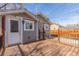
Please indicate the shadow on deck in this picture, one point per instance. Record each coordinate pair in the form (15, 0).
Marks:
(42, 48)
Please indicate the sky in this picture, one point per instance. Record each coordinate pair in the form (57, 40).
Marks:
(61, 13)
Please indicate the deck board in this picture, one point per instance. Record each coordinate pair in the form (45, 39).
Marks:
(70, 52)
(44, 48)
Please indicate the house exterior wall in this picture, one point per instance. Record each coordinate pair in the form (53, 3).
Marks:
(40, 30)
(29, 36)
(43, 23)
(43, 32)
(47, 30)
(6, 31)
(8, 35)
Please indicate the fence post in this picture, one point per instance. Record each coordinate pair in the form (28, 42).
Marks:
(59, 35)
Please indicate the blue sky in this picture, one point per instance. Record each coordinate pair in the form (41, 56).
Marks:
(57, 12)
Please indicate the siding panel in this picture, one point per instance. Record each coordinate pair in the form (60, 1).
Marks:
(29, 36)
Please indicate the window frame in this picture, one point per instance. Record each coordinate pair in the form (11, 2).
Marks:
(28, 26)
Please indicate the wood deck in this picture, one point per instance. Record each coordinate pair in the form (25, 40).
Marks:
(42, 48)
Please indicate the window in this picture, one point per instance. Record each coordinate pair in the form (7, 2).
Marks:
(28, 25)
(46, 26)
(14, 26)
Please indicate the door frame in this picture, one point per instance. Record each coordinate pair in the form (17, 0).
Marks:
(20, 20)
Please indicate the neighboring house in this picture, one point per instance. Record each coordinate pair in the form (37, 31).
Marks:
(54, 26)
(44, 26)
(17, 26)
(54, 29)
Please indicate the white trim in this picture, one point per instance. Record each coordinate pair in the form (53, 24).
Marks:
(37, 33)
(6, 31)
(21, 30)
(17, 11)
(29, 22)
(10, 11)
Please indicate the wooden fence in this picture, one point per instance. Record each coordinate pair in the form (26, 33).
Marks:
(66, 33)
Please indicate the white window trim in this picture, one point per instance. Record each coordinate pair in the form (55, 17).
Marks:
(29, 22)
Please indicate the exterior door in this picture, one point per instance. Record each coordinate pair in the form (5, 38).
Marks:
(14, 31)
